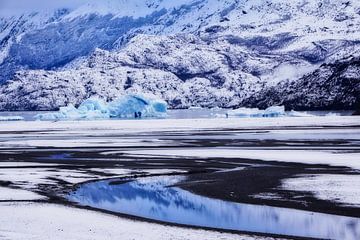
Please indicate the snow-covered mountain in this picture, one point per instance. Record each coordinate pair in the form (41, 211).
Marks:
(189, 52)
(332, 86)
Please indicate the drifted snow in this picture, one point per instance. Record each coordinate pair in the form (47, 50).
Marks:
(130, 106)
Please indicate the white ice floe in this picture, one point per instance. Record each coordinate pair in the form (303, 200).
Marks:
(274, 111)
(344, 189)
(11, 118)
(271, 112)
(129, 106)
(10, 194)
(50, 221)
(332, 114)
(293, 113)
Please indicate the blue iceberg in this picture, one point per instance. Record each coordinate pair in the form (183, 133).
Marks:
(128, 107)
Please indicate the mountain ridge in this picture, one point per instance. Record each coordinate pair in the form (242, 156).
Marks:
(219, 51)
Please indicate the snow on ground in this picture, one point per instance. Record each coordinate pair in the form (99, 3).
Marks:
(164, 171)
(85, 133)
(26, 164)
(344, 189)
(31, 177)
(298, 156)
(133, 126)
(48, 221)
(10, 194)
(113, 171)
(79, 142)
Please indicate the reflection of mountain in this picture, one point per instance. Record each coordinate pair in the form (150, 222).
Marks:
(189, 52)
(151, 198)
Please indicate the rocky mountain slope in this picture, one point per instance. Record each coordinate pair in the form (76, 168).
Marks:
(191, 53)
(332, 86)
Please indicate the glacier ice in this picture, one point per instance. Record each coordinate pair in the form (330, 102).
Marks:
(129, 106)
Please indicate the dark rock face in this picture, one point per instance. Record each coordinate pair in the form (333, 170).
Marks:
(357, 112)
(332, 86)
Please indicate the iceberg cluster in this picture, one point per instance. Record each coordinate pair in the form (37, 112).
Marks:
(293, 113)
(274, 111)
(130, 106)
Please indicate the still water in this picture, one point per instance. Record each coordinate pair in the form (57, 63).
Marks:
(156, 198)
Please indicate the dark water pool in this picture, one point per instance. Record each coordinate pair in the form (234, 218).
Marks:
(152, 198)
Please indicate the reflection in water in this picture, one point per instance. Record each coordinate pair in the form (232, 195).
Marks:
(151, 198)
